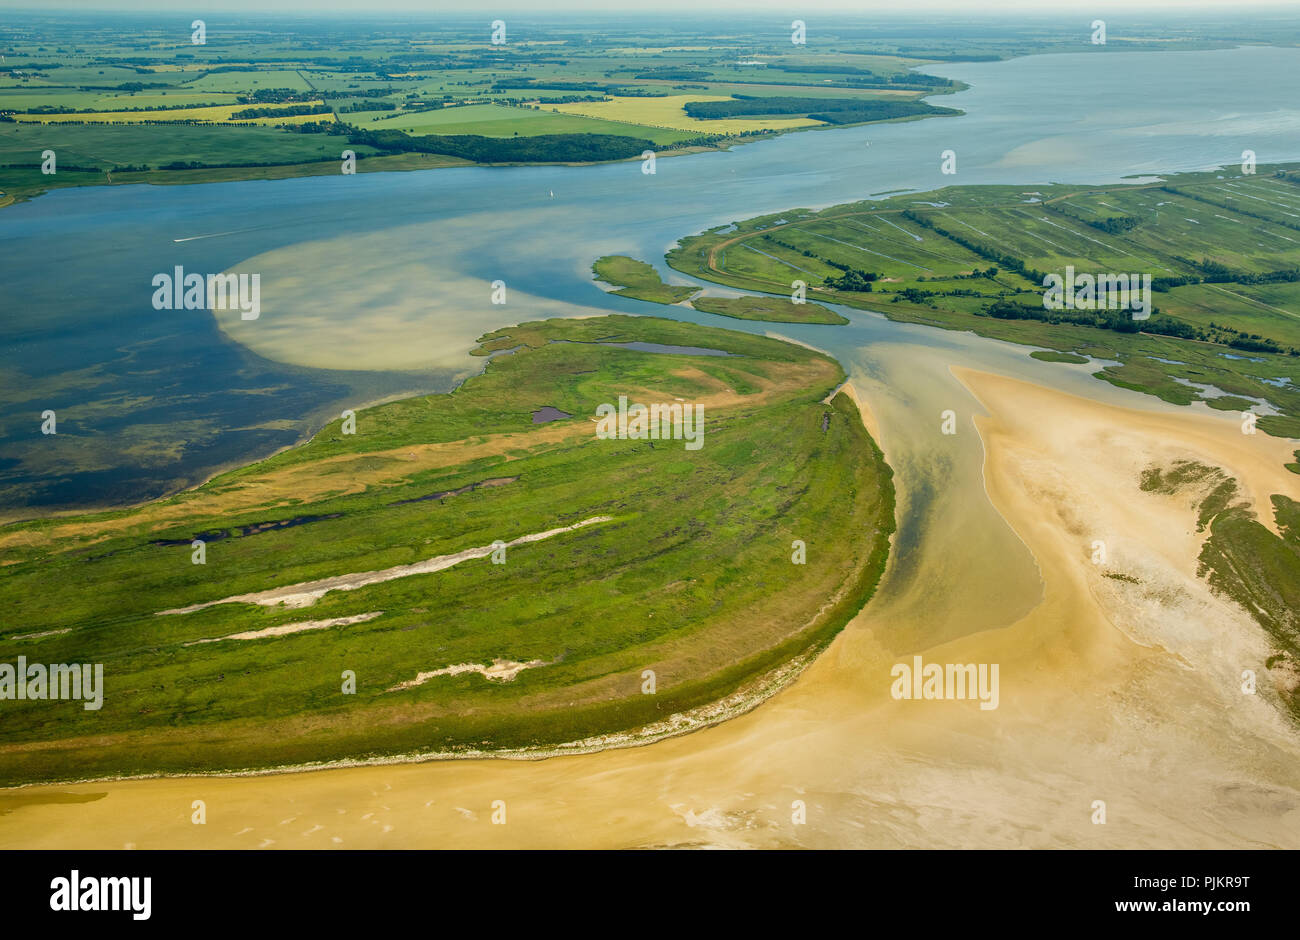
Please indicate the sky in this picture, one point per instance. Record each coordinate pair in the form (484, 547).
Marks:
(792, 8)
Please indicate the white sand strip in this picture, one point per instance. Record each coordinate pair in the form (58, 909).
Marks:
(308, 592)
(286, 628)
(37, 636)
(501, 670)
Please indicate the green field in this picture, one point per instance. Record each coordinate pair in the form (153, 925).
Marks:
(1053, 356)
(431, 81)
(232, 82)
(19, 98)
(1223, 251)
(97, 154)
(638, 279)
(686, 569)
(493, 120)
(776, 309)
(105, 146)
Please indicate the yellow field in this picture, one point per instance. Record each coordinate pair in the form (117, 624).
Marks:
(217, 114)
(655, 50)
(669, 112)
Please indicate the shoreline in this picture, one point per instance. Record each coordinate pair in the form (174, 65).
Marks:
(398, 162)
(56, 514)
(745, 698)
(742, 700)
(701, 256)
(1083, 706)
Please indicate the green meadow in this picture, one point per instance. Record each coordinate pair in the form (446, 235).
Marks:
(1222, 249)
(689, 573)
(495, 120)
(776, 309)
(106, 146)
(639, 280)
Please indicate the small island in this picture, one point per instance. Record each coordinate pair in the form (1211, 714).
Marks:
(638, 280)
(641, 281)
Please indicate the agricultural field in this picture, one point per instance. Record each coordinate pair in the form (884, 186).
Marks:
(669, 111)
(1222, 251)
(28, 98)
(495, 120)
(619, 556)
(104, 146)
(106, 153)
(441, 90)
(253, 79)
(219, 114)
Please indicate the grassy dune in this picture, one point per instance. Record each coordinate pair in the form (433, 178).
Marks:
(691, 577)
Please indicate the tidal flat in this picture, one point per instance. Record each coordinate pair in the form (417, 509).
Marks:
(1127, 691)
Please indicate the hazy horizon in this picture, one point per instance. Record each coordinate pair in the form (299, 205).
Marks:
(783, 8)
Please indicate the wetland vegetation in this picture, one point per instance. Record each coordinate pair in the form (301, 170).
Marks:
(679, 562)
(1223, 251)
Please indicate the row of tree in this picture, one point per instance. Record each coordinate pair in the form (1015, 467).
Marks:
(542, 148)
